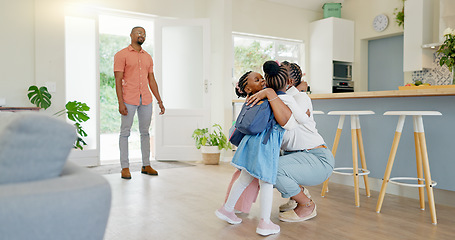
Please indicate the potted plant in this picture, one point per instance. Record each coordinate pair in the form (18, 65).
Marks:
(74, 110)
(447, 51)
(399, 15)
(211, 143)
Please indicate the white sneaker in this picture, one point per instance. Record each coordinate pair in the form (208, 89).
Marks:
(265, 229)
(229, 217)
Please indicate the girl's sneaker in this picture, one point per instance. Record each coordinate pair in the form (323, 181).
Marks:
(229, 217)
(265, 229)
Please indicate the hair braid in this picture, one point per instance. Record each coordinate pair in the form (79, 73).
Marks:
(241, 84)
(295, 73)
(276, 76)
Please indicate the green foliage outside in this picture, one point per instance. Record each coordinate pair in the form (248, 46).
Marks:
(250, 58)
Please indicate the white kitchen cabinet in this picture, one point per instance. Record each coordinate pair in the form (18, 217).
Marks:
(418, 22)
(331, 39)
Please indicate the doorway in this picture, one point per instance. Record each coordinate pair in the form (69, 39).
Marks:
(181, 52)
(114, 34)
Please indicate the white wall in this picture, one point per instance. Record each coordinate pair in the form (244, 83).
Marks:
(17, 62)
(362, 12)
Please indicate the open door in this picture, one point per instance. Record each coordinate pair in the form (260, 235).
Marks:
(182, 49)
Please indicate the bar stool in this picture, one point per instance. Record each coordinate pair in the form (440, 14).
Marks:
(316, 112)
(356, 138)
(421, 161)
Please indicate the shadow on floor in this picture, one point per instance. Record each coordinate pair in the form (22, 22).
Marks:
(136, 166)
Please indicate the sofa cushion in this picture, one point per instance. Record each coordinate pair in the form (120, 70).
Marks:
(33, 146)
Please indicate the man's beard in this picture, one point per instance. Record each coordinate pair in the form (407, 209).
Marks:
(139, 42)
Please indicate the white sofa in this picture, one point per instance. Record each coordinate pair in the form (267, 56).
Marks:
(42, 196)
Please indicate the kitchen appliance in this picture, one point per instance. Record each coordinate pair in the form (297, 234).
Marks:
(342, 77)
(342, 85)
(342, 70)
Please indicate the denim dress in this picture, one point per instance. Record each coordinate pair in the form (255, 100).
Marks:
(260, 159)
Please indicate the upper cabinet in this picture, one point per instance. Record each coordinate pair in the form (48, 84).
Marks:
(331, 39)
(418, 23)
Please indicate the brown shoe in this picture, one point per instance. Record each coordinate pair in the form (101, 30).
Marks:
(149, 170)
(126, 173)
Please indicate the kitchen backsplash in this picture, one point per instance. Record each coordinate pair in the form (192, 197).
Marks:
(437, 75)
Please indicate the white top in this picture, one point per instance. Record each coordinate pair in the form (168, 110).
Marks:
(367, 112)
(413, 113)
(301, 132)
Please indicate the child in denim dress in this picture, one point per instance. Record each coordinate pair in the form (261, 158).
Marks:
(257, 156)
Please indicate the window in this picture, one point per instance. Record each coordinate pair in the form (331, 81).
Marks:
(251, 51)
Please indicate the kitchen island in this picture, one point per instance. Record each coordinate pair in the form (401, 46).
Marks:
(378, 132)
(418, 91)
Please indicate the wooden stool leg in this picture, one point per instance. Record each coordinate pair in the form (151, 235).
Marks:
(419, 165)
(362, 156)
(393, 151)
(426, 169)
(355, 163)
(325, 186)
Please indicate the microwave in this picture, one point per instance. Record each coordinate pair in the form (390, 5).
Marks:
(342, 70)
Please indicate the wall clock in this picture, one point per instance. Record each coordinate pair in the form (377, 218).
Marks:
(380, 22)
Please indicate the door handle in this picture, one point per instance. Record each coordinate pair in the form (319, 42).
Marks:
(206, 86)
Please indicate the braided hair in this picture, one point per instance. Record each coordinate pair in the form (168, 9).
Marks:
(276, 76)
(241, 84)
(295, 73)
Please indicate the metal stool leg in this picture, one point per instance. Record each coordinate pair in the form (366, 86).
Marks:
(355, 164)
(418, 153)
(426, 168)
(393, 151)
(362, 156)
(325, 186)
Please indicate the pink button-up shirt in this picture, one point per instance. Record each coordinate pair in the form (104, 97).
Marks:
(135, 67)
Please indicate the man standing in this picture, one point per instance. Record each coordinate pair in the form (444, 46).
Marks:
(134, 78)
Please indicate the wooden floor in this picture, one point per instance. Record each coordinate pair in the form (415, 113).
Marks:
(180, 204)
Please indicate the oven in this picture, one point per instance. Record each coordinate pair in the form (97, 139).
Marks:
(342, 85)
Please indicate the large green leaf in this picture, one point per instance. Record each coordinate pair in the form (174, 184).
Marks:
(76, 111)
(39, 96)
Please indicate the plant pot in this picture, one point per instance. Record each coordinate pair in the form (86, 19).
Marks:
(210, 155)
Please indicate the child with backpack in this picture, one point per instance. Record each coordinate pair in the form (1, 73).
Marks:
(257, 154)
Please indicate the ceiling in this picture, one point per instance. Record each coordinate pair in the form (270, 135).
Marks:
(314, 5)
